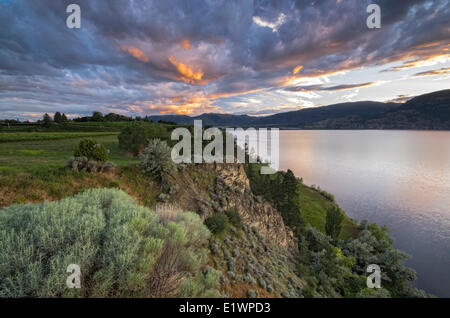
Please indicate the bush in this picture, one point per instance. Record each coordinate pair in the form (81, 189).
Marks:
(139, 256)
(308, 292)
(217, 223)
(83, 164)
(156, 160)
(92, 150)
(234, 218)
(134, 137)
(202, 285)
(373, 293)
(333, 226)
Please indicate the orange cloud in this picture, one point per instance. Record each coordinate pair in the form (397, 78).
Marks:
(442, 71)
(419, 62)
(187, 74)
(230, 94)
(297, 69)
(290, 80)
(186, 105)
(185, 44)
(136, 53)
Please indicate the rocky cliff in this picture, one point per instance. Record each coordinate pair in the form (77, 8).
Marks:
(257, 260)
(216, 188)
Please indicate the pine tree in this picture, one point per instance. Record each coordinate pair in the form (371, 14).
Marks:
(57, 118)
(64, 118)
(290, 207)
(47, 120)
(333, 225)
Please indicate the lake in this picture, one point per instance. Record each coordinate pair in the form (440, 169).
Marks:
(397, 178)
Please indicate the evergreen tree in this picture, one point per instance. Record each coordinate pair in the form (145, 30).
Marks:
(277, 190)
(97, 116)
(290, 207)
(333, 225)
(57, 118)
(64, 118)
(47, 120)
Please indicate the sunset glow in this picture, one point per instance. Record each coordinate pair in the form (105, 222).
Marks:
(255, 58)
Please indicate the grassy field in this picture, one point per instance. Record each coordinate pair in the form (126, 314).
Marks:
(29, 156)
(314, 211)
(40, 136)
(69, 127)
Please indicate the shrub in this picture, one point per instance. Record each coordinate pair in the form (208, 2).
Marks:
(333, 225)
(234, 217)
(373, 293)
(156, 160)
(83, 164)
(139, 256)
(217, 223)
(308, 292)
(134, 137)
(92, 150)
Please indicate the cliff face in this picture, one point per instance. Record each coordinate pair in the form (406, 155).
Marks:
(215, 188)
(257, 260)
(234, 185)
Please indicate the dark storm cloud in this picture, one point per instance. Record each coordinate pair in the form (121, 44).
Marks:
(144, 55)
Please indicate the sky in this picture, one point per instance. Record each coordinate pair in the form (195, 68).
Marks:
(256, 57)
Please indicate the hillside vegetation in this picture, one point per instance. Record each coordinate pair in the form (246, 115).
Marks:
(123, 249)
(272, 236)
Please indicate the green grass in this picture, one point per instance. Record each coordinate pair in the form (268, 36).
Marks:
(314, 211)
(39, 136)
(28, 156)
(70, 127)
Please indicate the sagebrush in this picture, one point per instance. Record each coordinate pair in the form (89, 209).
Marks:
(122, 248)
(156, 160)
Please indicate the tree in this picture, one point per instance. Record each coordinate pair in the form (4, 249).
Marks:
(64, 118)
(333, 225)
(97, 116)
(289, 205)
(47, 120)
(57, 118)
(135, 137)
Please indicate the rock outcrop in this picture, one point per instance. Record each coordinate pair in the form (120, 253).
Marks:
(217, 188)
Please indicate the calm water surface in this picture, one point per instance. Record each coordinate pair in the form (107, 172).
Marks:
(397, 178)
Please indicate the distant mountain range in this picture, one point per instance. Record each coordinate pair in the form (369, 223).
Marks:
(429, 111)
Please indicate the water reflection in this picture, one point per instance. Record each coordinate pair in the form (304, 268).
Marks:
(398, 178)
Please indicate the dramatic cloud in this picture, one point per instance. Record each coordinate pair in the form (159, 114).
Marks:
(233, 56)
(445, 70)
